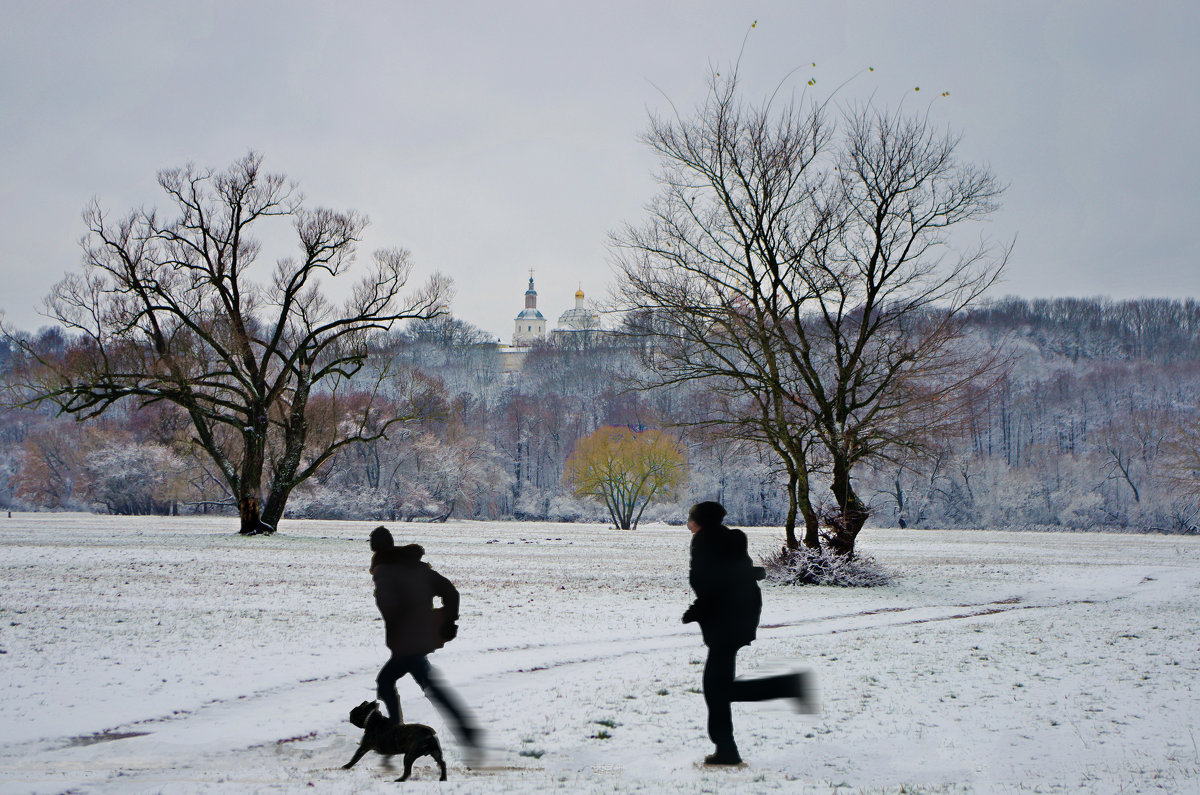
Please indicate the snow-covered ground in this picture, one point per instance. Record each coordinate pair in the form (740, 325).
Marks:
(151, 654)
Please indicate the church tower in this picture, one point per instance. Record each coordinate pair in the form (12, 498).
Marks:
(530, 325)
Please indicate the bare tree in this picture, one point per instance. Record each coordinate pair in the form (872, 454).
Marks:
(712, 274)
(878, 353)
(1181, 449)
(797, 262)
(167, 310)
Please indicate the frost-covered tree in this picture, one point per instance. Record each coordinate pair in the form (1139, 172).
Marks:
(130, 478)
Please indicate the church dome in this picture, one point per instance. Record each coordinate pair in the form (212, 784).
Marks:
(580, 318)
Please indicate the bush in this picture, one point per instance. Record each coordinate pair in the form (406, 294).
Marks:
(806, 566)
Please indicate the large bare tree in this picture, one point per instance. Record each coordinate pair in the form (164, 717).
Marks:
(879, 351)
(168, 309)
(712, 273)
(799, 259)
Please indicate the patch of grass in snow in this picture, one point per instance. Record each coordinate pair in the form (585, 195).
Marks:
(532, 753)
(603, 734)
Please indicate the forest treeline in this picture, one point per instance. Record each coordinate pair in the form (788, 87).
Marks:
(1075, 433)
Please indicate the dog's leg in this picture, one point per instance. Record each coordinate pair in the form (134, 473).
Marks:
(409, 758)
(359, 754)
(432, 748)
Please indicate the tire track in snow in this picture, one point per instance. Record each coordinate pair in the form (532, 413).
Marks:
(972, 611)
(817, 625)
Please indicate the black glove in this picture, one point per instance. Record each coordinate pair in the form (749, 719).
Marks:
(690, 615)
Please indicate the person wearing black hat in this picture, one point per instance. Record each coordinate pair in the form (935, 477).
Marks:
(404, 590)
(727, 607)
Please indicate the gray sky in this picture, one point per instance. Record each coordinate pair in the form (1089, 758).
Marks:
(493, 137)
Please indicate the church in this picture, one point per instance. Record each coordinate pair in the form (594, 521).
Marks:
(530, 325)
(576, 326)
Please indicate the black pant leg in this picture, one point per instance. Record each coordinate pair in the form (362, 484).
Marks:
(446, 700)
(764, 689)
(385, 685)
(718, 691)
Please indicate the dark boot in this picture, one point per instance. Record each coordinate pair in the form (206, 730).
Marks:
(725, 755)
(804, 693)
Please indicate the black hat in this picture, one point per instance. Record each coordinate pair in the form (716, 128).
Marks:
(707, 514)
(381, 539)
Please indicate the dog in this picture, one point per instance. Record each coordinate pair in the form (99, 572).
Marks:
(380, 735)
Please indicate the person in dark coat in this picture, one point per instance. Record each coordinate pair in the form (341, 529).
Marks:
(727, 607)
(405, 587)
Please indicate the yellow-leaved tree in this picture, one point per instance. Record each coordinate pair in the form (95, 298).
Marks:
(625, 470)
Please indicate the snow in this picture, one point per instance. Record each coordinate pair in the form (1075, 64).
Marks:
(172, 655)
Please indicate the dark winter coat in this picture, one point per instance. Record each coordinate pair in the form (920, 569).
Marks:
(404, 590)
(728, 602)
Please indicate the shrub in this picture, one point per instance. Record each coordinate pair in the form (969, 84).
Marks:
(806, 566)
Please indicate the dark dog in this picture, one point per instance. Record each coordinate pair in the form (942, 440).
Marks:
(414, 740)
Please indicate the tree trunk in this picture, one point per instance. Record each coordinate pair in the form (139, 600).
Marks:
(283, 471)
(624, 513)
(638, 518)
(623, 521)
(516, 490)
(272, 511)
(250, 482)
(445, 514)
(789, 524)
(800, 504)
(812, 524)
(252, 523)
(852, 512)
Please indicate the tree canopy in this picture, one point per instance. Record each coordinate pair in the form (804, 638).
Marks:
(625, 470)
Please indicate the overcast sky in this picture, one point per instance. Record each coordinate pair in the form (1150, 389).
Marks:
(489, 138)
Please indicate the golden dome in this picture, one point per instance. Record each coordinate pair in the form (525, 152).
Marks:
(579, 293)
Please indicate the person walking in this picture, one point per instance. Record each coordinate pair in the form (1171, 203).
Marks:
(727, 607)
(405, 587)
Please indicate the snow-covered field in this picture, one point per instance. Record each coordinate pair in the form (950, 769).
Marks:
(172, 655)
